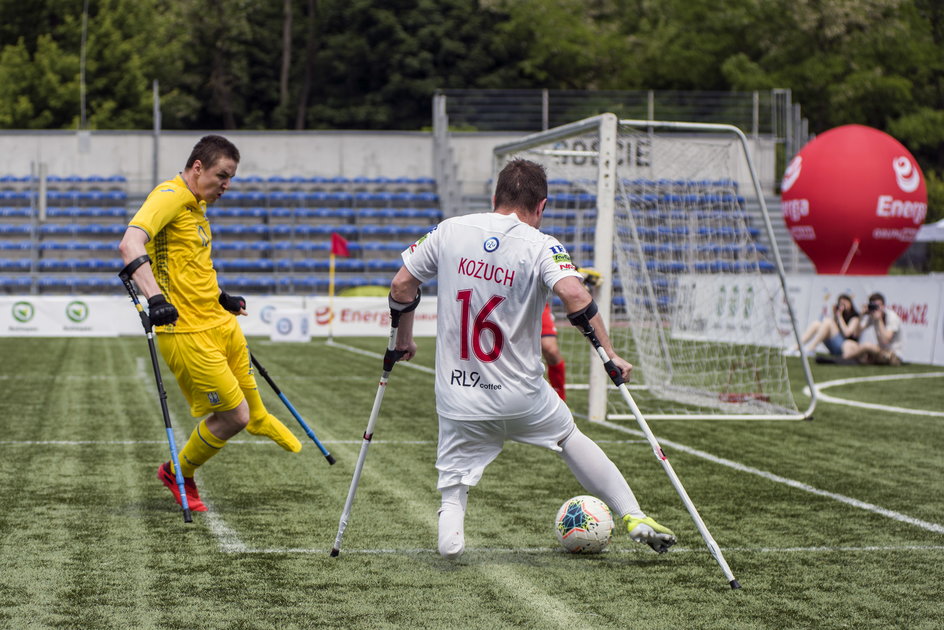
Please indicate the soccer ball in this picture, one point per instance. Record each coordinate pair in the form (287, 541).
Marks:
(584, 525)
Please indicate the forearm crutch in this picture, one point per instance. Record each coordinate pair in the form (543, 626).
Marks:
(391, 356)
(581, 319)
(125, 276)
(291, 408)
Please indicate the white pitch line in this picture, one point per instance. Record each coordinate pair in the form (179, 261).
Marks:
(869, 507)
(874, 406)
(225, 536)
(628, 550)
(368, 353)
(898, 516)
(250, 442)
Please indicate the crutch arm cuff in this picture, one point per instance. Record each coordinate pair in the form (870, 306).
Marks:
(126, 273)
(404, 307)
(581, 319)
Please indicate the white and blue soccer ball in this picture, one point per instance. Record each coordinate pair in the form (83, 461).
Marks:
(584, 524)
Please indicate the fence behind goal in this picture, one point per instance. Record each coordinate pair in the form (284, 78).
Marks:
(693, 287)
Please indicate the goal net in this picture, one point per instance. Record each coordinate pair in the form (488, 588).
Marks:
(671, 215)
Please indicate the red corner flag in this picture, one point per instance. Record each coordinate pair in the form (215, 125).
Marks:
(339, 245)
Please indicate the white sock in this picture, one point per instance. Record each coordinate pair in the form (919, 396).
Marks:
(598, 475)
(452, 521)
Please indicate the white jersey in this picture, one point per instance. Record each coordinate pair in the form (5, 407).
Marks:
(495, 274)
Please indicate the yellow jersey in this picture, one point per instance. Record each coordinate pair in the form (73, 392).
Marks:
(179, 247)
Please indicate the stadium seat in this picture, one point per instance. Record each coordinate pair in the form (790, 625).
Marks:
(16, 212)
(15, 284)
(15, 229)
(16, 245)
(15, 264)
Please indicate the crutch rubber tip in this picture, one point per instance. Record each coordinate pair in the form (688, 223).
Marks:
(735, 584)
(187, 517)
(335, 552)
(330, 458)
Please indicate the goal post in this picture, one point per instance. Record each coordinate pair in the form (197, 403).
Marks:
(694, 293)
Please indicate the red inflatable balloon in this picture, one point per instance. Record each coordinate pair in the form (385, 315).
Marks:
(853, 199)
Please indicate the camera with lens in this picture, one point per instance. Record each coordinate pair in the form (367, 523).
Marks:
(873, 306)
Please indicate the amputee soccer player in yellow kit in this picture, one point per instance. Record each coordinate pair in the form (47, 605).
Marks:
(166, 248)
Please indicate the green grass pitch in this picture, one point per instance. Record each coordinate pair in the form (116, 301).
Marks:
(836, 522)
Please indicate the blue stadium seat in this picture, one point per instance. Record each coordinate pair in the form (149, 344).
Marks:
(378, 266)
(325, 213)
(376, 198)
(99, 229)
(368, 231)
(15, 196)
(16, 212)
(15, 284)
(16, 245)
(15, 229)
(314, 246)
(424, 181)
(339, 197)
(666, 266)
(15, 264)
(380, 246)
(289, 197)
(247, 181)
(377, 214)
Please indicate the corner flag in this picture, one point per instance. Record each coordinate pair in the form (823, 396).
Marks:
(339, 245)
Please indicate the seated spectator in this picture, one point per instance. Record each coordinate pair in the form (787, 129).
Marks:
(838, 332)
(887, 325)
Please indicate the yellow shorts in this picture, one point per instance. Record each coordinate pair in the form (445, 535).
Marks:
(212, 366)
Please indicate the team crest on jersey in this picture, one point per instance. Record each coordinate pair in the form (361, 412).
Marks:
(491, 244)
(214, 398)
(203, 235)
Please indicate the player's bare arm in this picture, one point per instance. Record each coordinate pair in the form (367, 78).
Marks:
(575, 297)
(131, 247)
(403, 289)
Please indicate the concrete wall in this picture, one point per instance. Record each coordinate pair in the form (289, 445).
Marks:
(325, 153)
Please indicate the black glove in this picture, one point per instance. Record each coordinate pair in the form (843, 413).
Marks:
(232, 303)
(160, 311)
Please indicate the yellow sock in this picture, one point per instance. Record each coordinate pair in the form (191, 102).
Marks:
(261, 422)
(272, 428)
(201, 446)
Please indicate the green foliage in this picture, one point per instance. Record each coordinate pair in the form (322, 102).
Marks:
(371, 65)
(38, 90)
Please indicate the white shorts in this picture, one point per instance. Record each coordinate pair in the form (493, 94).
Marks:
(466, 447)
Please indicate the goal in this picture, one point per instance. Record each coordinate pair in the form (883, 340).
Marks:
(693, 290)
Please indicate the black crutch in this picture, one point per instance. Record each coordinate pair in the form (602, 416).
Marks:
(125, 275)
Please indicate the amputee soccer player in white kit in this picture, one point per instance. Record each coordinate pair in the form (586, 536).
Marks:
(495, 272)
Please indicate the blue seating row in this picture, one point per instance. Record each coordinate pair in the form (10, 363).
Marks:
(285, 212)
(281, 197)
(68, 179)
(117, 197)
(256, 265)
(336, 180)
(707, 184)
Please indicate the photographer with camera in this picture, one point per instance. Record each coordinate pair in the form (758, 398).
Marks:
(838, 332)
(887, 325)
